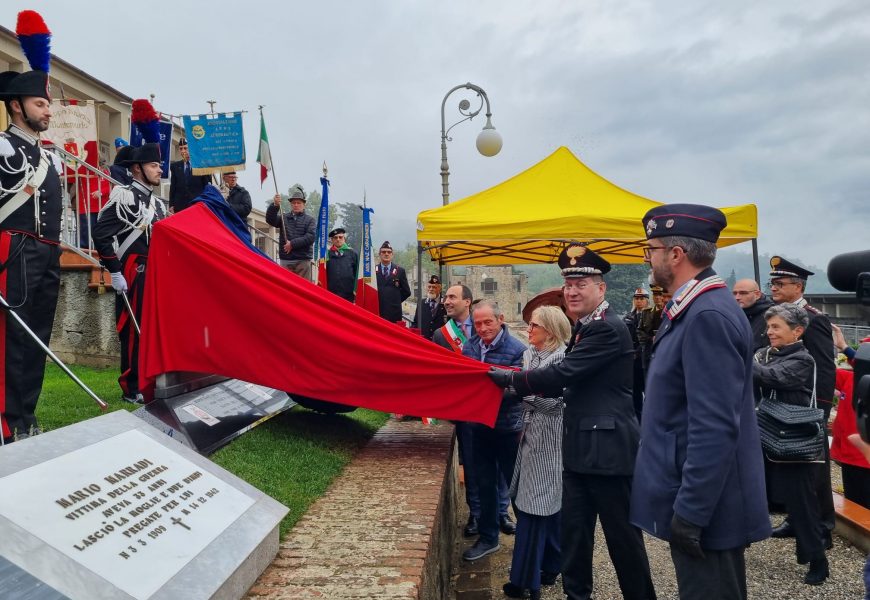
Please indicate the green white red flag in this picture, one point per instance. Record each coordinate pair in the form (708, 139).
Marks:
(264, 156)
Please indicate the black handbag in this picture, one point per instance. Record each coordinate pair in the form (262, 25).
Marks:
(791, 433)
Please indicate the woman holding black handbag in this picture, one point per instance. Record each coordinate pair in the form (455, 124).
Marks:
(786, 373)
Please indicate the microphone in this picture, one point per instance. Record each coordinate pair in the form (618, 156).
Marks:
(844, 269)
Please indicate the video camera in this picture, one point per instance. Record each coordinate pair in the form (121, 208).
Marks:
(851, 273)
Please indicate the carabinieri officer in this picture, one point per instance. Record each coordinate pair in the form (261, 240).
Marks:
(30, 223)
(122, 237)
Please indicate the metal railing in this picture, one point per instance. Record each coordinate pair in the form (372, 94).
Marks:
(854, 333)
(85, 189)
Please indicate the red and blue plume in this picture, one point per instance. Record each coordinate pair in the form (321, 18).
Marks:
(35, 39)
(146, 120)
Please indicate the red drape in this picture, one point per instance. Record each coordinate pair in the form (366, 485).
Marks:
(214, 306)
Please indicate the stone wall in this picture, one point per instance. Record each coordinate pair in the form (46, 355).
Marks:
(501, 284)
(84, 326)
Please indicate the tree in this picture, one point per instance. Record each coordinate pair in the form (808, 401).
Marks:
(351, 218)
(732, 279)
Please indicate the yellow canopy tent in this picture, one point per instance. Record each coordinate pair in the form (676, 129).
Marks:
(530, 217)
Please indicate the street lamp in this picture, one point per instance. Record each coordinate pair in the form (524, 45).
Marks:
(488, 141)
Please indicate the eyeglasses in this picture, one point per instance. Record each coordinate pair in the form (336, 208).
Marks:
(579, 286)
(533, 326)
(775, 285)
(648, 250)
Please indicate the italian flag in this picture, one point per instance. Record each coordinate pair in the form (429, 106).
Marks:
(264, 156)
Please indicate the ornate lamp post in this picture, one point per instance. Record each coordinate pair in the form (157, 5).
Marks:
(488, 141)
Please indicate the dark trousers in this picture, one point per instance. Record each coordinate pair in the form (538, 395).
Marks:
(823, 491)
(796, 485)
(495, 454)
(638, 385)
(536, 548)
(466, 457)
(585, 498)
(29, 281)
(134, 273)
(856, 484)
(720, 575)
(87, 224)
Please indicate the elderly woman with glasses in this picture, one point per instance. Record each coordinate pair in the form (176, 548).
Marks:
(536, 487)
(786, 371)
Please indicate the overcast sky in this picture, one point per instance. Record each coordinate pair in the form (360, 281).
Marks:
(709, 102)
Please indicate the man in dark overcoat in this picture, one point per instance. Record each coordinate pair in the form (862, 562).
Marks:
(393, 288)
(184, 186)
(600, 431)
(432, 315)
(788, 282)
(699, 478)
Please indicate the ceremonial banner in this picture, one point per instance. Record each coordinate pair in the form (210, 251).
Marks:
(323, 233)
(216, 142)
(379, 367)
(366, 292)
(73, 128)
(136, 140)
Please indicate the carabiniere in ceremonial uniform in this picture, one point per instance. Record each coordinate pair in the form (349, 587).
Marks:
(30, 223)
(122, 237)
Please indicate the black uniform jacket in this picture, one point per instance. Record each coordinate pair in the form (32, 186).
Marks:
(109, 226)
(50, 195)
(392, 291)
(432, 317)
(819, 341)
(183, 189)
(601, 432)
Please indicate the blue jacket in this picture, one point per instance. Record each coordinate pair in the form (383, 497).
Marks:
(508, 351)
(700, 454)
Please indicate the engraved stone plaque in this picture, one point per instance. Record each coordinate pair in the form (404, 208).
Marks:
(111, 507)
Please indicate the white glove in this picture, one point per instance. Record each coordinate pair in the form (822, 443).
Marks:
(118, 282)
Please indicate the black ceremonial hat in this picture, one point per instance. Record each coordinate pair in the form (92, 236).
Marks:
(686, 220)
(146, 153)
(123, 154)
(386, 246)
(780, 267)
(336, 231)
(435, 280)
(29, 83)
(577, 260)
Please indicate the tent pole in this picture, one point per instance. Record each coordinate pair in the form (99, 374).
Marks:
(420, 286)
(755, 261)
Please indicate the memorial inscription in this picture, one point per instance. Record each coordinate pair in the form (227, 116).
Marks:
(123, 504)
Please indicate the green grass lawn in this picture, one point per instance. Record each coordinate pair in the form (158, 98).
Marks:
(292, 457)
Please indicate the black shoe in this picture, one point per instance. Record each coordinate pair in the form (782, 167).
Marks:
(134, 399)
(548, 578)
(470, 529)
(513, 591)
(507, 526)
(534, 594)
(818, 572)
(785, 530)
(479, 550)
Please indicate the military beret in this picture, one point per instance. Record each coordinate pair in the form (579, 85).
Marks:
(780, 267)
(336, 231)
(577, 260)
(685, 220)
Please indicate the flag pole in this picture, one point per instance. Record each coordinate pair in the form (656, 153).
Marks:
(274, 180)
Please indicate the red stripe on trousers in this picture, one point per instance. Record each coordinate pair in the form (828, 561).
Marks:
(5, 243)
